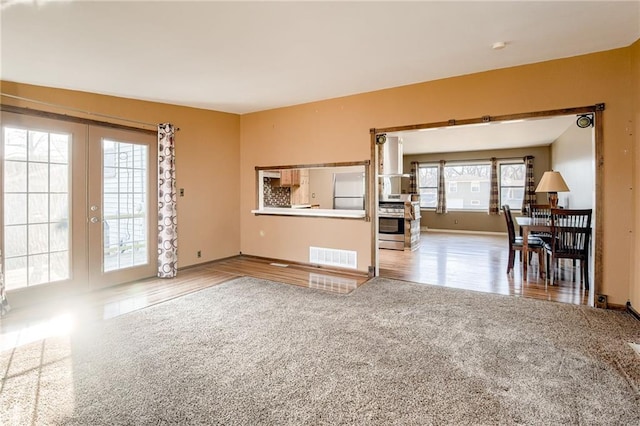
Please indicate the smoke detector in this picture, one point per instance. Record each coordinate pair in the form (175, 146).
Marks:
(498, 45)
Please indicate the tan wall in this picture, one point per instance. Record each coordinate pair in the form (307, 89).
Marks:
(207, 159)
(634, 293)
(573, 155)
(477, 221)
(296, 136)
(338, 130)
(321, 187)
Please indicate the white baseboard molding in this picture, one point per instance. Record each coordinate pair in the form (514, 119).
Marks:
(460, 231)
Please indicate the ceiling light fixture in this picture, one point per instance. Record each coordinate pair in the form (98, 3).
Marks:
(498, 45)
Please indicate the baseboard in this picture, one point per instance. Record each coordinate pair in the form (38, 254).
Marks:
(195, 265)
(461, 231)
(632, 311)
(616, 307)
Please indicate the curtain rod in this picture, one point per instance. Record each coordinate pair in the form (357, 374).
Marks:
(96, 114)
(471, 160)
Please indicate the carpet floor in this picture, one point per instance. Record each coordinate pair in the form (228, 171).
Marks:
(255, 352)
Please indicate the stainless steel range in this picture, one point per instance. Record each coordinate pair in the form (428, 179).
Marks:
(398, 222)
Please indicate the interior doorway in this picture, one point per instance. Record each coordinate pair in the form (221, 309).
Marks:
(496, 281)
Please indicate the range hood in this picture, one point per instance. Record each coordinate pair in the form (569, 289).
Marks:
(391, 156)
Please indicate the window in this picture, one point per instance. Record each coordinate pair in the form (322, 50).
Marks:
(428, 185)
(468, 184)
(511, 177)
(473, 184)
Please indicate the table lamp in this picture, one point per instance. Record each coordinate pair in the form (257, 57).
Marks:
(552, 183)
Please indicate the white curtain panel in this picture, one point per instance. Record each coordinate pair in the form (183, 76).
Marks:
(167, 197)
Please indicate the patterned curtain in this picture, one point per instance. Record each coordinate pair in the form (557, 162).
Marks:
(494, 199)
(167, 198)
(4, 303)
(441, 208)
(529, 184)
(413, 178)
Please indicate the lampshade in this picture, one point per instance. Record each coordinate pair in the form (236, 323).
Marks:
(552, 182)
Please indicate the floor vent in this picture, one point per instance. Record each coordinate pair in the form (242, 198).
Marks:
(333, 257)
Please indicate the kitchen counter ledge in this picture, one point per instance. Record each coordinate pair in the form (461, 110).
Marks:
(349, 214)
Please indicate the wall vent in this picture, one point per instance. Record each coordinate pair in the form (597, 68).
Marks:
(333, 257)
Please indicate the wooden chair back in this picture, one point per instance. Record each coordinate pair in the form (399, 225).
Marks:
(510, 227)
(570, 232)
(539, 211)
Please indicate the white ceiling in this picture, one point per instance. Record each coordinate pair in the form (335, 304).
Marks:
(478, 137)
(241, 57)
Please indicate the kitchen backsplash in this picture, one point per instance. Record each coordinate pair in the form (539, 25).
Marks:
(275, 195)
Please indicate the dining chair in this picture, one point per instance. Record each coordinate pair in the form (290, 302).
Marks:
(535, 244)
(540, 212)
(570, 239)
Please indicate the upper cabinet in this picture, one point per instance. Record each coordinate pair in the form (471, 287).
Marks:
(290, 177)
(300, 192)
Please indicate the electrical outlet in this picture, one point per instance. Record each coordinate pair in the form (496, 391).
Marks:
(199, 253)
(601, 301)
(182, 192)
(456, 221)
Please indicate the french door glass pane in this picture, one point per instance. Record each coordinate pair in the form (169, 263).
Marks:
(124, 190)
(17, 214)
(36, 207)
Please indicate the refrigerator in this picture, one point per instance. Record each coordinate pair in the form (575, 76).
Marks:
(348, 191)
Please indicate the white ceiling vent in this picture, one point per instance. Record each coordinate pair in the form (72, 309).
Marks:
(333, 257)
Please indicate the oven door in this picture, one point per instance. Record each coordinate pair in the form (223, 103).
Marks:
(391, 225)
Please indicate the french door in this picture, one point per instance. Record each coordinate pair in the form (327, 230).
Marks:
(122, 219)
(77, 207)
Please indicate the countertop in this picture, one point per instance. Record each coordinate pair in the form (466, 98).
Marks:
(305, 211)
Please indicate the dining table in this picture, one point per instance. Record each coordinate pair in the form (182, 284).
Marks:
(527, 225)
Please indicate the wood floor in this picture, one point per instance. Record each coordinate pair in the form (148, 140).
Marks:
(473, 262)
(22, 326)
(478, 262)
